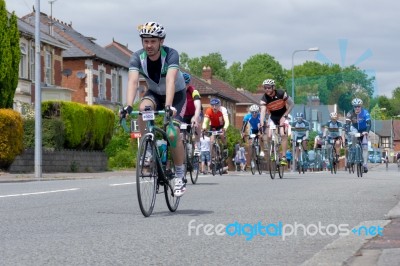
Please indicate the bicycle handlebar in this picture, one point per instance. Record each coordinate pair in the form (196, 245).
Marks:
(122, 121)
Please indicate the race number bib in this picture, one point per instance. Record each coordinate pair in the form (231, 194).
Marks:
(148, 115)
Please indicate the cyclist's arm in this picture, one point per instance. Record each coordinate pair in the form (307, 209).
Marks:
(289, 105)
(368, 125)
(197, 105)
(262, 113)
(133, 81)
(170, 85)
(206, 122)
(226, 117)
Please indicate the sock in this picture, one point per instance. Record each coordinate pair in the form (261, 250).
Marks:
(179, 171)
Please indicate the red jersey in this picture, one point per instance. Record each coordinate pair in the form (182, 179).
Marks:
(216, 119)
(191, 95)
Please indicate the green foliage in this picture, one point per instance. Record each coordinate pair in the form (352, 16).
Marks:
(11, 143)
(258, 68)
(9, 56)
(213, 60)
(232, 138)
(311, 137)
(53, 136)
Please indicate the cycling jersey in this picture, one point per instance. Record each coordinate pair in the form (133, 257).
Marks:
(276, 105)
(191, 95)
(169, 59)
(361, 121)
(334, 129)
(216, 119)
(300, 128)
(253, 121)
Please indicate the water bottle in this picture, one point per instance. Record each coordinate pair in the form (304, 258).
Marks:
(162, 150)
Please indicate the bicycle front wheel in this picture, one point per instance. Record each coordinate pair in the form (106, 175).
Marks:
(146, 176)
(194, 174)
(272, 161)
(253, 160)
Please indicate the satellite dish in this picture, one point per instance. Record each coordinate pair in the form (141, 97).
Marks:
(67, 72)
(81, 75)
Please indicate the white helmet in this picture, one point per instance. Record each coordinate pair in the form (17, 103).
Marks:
(356, 101)
(254, 108)
(269, 82)
(333, 115)
(151, 30)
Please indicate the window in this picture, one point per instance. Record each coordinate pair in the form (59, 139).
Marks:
(385, 142)
(47, 68)
(32, 63)
(23, 62)
(114, 86)
(119, 88)
(102, 85)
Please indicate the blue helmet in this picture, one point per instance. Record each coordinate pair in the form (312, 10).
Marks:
(215, 101)
(186, 77)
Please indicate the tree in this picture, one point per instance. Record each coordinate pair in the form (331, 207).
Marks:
(260, 67)
(213, 60)
(9, 56)
(234, 73)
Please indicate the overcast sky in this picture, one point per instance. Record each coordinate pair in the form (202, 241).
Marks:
(365, 33)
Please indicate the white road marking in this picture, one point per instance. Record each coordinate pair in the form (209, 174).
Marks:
(122, 184)
(38, 193)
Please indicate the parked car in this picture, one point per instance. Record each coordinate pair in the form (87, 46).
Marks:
(374, 158)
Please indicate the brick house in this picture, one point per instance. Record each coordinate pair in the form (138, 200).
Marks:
(95, 75)
(52, 65)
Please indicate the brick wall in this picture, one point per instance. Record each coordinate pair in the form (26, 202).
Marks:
(61, 161)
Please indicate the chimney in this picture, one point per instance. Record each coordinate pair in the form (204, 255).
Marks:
(206, 75)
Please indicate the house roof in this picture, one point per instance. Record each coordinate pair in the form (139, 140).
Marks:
(80, 46)
(29, 31)
(120, 51)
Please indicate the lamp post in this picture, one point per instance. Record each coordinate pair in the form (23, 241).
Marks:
(313, 49)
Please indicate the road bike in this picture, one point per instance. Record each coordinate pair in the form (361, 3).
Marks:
(154, 166)
(355, 158)
(302, 161)
(275, 154)
(255, 159)
(217, 159)
(333, 155)
(192, 158)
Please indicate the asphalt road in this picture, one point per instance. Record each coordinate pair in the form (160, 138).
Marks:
(98, 221)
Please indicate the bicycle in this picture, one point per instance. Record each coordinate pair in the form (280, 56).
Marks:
(217, 158)
(349, 158)
(255, 159)
(274, 154)
(302, 161)
(355, 157)
(192, 159)
(154, 167)
(332, 155)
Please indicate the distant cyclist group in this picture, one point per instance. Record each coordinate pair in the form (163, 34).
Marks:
(170, 91)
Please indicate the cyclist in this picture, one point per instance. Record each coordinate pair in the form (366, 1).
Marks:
(333, 130)
(216, 118)
(253, 119)
(318, 140)
(301, 130)
(278, 105)
(159, 65)
(361, 123)
(347, 137)
(193, 109)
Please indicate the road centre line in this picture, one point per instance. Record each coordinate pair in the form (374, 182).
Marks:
(122, 184)
(38, 193)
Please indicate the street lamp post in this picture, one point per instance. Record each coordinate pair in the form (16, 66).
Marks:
(313, 49)
(374, 146)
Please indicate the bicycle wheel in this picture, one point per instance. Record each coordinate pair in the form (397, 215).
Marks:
(334, 160)
(272, 161)
(214, 160)
(194, 174)
(253, 160)
(281, 170)
(146, 176)
(258, 162)
(171, 200)
(220, 165)
(359, 170)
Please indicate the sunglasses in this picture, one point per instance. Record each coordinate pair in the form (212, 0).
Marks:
(254, 113)
(358, 106)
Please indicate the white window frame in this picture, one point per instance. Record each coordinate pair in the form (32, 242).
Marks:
(32, 63)
(102, 84)
(23, 62)
(48, 59)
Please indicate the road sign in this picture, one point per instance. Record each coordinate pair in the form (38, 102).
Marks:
(135, 135)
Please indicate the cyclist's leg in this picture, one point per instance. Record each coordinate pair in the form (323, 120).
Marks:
(284, 141)
(149, 101)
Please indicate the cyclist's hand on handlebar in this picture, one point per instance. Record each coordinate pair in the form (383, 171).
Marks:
(124, 111)
(170, 110)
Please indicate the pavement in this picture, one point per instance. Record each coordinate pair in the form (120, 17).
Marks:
(379, 250)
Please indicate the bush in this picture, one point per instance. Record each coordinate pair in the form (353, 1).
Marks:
(53, 136)
(11, 143)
